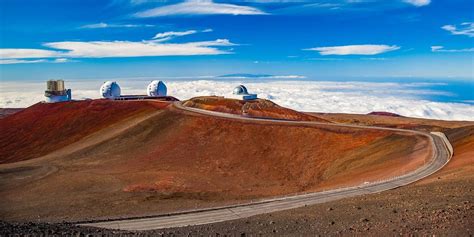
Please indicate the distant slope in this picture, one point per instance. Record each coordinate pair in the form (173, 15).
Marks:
(381, 113)
(43, 128)
(253, 108)
(394, 122)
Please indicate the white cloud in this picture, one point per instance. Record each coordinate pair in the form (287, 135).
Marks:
(23, 61)
(20, 61)
(316, 96)
(160, 37)
(466, 28)
(365, 49)
(174, 33)
(62, 60)
(105, 49)
(441, 49)
(200, 7)
(418, 3)
(28, 53)
(105, 25)
(218, 42)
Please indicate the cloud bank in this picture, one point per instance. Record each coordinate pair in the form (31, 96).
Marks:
(315, 96)
(199, 7)
(364, 49)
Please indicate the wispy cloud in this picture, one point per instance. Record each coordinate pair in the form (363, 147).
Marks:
(28, 53)
(466, 28)
(65, 50)
(106, 49)
(418, 3)
(160, 37)
(199, 7)
(105, 25)
(21, 61)
(63, 60)
(28, 61)
(364, 49)
(103, 49)
(440, 49)
(170, 34)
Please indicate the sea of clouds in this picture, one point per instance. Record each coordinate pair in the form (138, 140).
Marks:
(313, 96)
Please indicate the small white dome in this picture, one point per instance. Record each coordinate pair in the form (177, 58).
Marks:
(240, 90)
(110, 90)
(156, 88)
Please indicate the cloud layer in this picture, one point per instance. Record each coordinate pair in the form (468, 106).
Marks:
(364, 49)
(316, 96)
(199, 7)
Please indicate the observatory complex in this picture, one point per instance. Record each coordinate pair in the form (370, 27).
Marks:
(241, 93)
(155, 90)
(55, 92)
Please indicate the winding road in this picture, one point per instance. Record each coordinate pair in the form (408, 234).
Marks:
(441, 154)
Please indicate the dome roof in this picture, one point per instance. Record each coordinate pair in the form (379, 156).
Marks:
(240, 90)
(110, 90)
(156, 88)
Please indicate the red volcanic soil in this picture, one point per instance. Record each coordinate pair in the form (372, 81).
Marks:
(9, 111)
(380, 113)
(259, 108)
(43, 127)
(169, 160)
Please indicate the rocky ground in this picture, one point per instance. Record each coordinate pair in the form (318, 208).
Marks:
(441, 204)
(445, 208)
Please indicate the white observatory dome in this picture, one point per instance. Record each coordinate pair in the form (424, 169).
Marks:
(110, 90)
(240, 90)
(156, 88)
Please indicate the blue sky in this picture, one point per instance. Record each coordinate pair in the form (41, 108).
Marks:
(143, 38)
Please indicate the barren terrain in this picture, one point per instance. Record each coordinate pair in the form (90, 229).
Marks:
(259, 108)
(442, 204)
(159, 159)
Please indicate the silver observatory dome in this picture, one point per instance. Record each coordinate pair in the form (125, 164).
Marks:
(110, 90)
(240, 90)
(156, 88)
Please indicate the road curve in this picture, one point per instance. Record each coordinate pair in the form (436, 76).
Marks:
(441, 154)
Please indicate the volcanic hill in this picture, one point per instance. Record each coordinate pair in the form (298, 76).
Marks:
(99, 159)
(259, 108)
